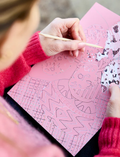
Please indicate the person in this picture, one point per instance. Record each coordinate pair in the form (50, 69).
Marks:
(109, 137)
(18, 21)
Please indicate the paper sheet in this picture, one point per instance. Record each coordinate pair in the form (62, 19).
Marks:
(68, 96)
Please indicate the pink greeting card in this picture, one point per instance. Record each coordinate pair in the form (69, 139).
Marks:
(68, 96)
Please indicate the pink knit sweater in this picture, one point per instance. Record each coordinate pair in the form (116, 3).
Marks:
(18, 140)
(21, 140)
(32, 54)
(22, 135)
(109, 138)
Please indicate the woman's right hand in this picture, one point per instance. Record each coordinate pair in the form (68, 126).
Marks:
(113, 107)
(65, 28)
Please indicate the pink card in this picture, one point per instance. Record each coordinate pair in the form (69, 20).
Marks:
(68, 96)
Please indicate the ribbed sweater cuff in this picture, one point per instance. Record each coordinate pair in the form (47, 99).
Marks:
(34, 52)
(109, 138)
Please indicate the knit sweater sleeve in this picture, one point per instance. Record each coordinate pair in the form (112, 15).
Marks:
(109, 138)
(32, 55)
(34, 52)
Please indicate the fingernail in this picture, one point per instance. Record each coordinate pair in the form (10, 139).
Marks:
(77, 53)
(81, 45)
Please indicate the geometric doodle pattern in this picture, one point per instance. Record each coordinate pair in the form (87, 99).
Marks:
(111, 72)
(68, 97)
(71, 129)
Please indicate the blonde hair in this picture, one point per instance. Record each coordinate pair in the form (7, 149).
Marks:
(12, 10)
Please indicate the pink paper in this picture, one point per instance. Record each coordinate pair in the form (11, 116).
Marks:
(68, 96)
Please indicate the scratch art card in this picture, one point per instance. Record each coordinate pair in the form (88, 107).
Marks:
(68, 96)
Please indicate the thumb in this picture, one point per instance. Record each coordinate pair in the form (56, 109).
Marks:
(72, 45)
(113, 107)
(115, 92)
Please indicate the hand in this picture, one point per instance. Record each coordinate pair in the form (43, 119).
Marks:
(113, 108)
(66, 28)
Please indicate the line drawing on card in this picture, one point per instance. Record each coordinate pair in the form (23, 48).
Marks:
(69, 96)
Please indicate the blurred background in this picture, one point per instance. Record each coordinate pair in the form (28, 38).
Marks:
(51, 9)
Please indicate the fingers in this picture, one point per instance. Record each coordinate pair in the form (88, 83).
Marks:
(115, 93)
(113, 106)
(75, 53)
(81, 33)
(76, 30)
(70, 22)
(71, 46)
(64, 28)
